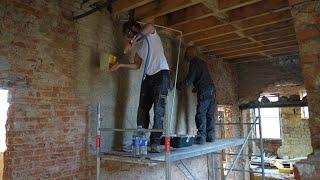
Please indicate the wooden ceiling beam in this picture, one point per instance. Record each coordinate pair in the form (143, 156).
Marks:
(232, 35)
(120, 6)
(200, 24)
(227, 5)
(245, 24)
(250, 46)
(263, 42)
(259, 49)
(275, 34)
(182, 16)
(264, 38)
(253, 31)
(258, 8)
(269, 17)
(218, 39)
(213, 32)
(256, 52)
(254, 9)
(283, 38)
(229, 43)
(158, 8)
(269, 27)
(198, 11)
(281, 51)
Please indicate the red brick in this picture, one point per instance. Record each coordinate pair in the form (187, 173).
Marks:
(310, 58)
(308, 34)
(310, 74)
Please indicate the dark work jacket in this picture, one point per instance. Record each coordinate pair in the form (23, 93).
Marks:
(200, 77)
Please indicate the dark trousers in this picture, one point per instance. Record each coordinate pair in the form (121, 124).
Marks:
(154, 91)
(205, 121)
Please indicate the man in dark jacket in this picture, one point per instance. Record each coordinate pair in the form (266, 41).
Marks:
(199, 76)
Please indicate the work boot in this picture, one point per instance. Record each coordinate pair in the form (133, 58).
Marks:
(210, 139)
(155, 148)
(200, 140)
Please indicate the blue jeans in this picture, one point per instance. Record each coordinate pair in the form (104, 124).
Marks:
(154, 91)
(205, 120)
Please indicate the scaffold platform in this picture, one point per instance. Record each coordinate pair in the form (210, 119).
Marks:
(176, 153)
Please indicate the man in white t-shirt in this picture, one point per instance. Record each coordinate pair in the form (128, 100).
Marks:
(155, 83)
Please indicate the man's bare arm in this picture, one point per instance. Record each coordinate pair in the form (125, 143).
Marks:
(135, 65)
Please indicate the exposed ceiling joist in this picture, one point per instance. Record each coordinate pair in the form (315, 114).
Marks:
(276, 52)
(269, 17)
(232, 36)
(250, 22)
(198, 36)
(255, 9)
(200, 24)
(198, 11)
(283, 38)
(227, 5)
(218, 39)
(233, 47)
(120, 6)
(276, 34)
(225, 18)
(250, 46)
(158, 8)
(182, 16)
(213, 32)
(258, 50)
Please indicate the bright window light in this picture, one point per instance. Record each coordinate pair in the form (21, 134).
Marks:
(270, 120)
(305, 109)
(3, 118)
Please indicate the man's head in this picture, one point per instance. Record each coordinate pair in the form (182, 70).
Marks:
(131, 28)
(191, 52)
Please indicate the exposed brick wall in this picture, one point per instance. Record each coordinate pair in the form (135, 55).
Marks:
(306, 14)
(46, 126)
(257, 77)
(226, 80)
(296, 134)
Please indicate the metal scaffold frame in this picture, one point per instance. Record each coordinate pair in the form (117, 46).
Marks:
(256, 121)
(169, 158)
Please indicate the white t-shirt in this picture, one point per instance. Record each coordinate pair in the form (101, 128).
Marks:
(157, 59)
